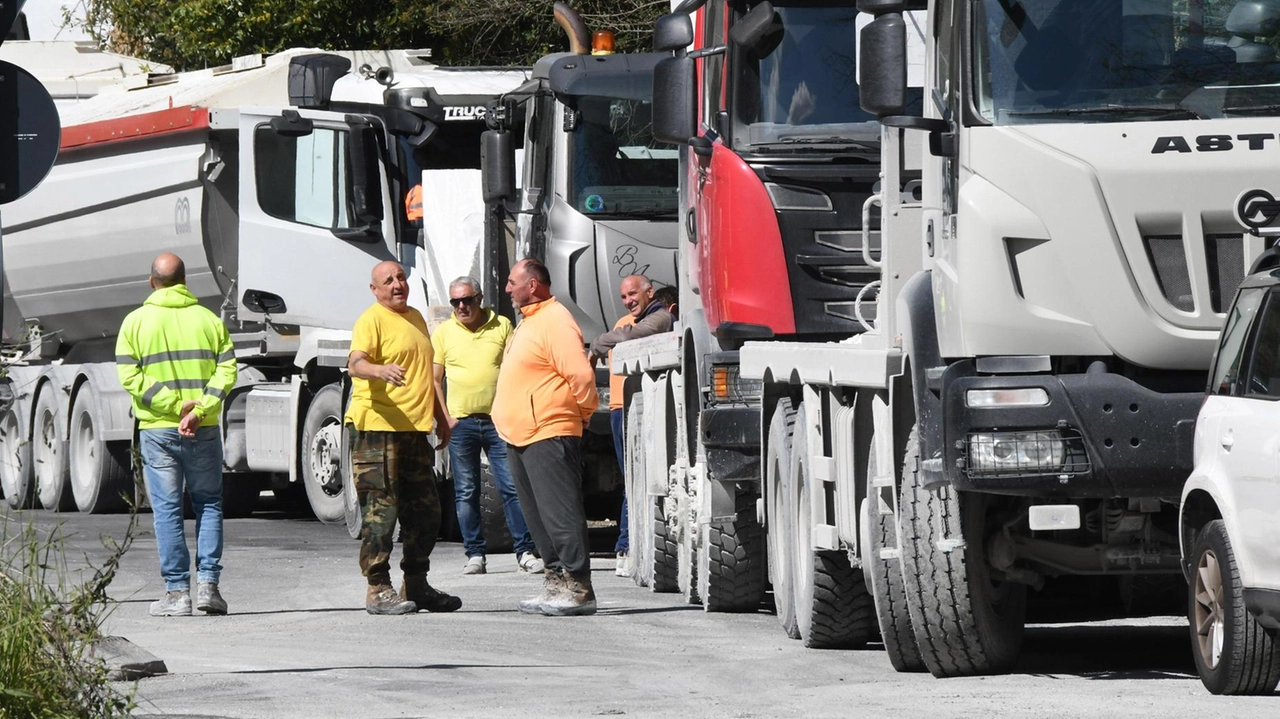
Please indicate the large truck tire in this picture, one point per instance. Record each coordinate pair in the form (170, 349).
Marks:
(833, 608)
(322, 452)
(778, 514)
(965, 622)
(884, 576)
(49, 453)
(497, 535)
(666, 551)
(731, 572)
(639, 503)
(99, 470)
(15, 462)
(1234, 654)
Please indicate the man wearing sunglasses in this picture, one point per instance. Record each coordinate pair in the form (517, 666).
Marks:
(468, 354)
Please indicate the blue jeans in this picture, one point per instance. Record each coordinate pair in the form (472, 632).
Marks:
(624, 533)
(471, 435)
(170, 462)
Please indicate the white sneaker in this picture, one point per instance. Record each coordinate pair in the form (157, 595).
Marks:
(622, 567)
(531, 564)
(474, 565)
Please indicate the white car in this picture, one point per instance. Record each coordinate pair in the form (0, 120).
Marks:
(1230, 514)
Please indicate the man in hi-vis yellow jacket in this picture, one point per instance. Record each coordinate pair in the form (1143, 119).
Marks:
(176, 360)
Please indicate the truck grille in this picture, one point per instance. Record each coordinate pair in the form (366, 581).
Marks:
(1224, 263)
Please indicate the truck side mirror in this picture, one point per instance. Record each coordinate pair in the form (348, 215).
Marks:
(675, 107)
(366, 184)
(290, 124)
(672, 33)
(497, 166)
(882, 55)
(759, 30)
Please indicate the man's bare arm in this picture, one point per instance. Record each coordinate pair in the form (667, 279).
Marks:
(359, 366)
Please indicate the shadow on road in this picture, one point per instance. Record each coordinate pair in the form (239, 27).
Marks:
(392, 667)
(1109, 652)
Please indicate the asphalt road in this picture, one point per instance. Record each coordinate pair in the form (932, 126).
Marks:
(298, 644)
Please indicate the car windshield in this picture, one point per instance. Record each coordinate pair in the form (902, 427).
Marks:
(798, 89)
(618, 168)
(1125, 60)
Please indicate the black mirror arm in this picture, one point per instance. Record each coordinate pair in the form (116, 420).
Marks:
(701, 145)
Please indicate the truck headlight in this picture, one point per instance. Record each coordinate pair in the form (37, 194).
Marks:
(1017, 453)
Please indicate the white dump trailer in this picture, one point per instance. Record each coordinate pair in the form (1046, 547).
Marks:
(281, 182)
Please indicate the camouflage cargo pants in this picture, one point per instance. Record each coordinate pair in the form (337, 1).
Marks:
(395, 479)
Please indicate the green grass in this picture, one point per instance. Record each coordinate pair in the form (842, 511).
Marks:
(48, 624)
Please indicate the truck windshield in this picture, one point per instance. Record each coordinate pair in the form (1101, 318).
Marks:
(618, 168)
(799, 91)
(1125, 60)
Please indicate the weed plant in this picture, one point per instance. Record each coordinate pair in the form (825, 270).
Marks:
(48, 624)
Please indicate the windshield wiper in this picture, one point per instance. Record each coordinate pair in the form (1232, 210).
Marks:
(1252, 109)
(634, 215)
(797, 144)
(1167, 111)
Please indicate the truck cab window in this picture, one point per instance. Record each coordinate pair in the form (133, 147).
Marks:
(304, 179)
(618, 167)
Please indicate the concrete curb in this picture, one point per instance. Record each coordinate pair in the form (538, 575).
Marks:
(126, 660)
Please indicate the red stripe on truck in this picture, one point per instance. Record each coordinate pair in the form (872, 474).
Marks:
(161, 122)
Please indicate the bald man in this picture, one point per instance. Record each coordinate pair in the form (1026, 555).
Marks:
(175, 359)
(645, 316)
(393, 409)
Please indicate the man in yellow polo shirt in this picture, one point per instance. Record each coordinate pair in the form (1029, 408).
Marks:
(469, 349)
(393, 409)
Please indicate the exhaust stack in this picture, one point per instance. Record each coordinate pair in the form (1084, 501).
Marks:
(574, 27)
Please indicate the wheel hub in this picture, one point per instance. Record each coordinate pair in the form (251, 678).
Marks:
(1210, 624)
(325, 457)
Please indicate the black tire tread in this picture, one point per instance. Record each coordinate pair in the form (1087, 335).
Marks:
(891, 601)
(843, 611)
(937, 582)
(736, 561)
(666, 553)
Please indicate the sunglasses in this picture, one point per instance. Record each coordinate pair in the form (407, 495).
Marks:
(460, 301)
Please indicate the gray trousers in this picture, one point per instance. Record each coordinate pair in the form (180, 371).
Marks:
(548, 478)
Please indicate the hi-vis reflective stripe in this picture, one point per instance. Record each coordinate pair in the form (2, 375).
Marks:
(154, 389)
(215, 392)
(413, 203)
(176, 356)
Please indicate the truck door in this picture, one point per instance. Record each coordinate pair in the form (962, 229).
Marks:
(314, 216)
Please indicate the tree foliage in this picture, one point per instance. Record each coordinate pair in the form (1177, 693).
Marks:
(192, 34)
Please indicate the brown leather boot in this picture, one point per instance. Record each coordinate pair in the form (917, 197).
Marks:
(417, 591)
(382, 599)
(552, 584)
(575, 598)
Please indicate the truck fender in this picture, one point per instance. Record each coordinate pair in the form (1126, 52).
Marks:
(114, 405)
(919, 329)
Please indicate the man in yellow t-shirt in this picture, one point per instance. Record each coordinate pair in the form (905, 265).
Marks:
(469, 349)
(393, 409)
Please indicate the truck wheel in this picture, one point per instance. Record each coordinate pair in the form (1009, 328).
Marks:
(778, 514)
(1234, 653)
(666, 551)
(832, 606)
(688, 544)
(965, 622)
(351, 515)
(497, 535)
(15, 463)
(99, 470)
(48, 453)
(731, 565)
(322, 455)
(884, 576)
(639, 503)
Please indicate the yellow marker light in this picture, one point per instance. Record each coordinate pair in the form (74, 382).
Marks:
(720, 382)
(603, 43)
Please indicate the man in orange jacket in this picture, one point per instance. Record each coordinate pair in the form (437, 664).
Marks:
(546, 395)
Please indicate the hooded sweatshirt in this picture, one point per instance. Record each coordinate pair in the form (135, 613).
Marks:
(171, 350)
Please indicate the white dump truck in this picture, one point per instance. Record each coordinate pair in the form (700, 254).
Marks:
(280, 181)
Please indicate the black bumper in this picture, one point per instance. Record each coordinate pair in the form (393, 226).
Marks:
(1131, 441)
(731, 436)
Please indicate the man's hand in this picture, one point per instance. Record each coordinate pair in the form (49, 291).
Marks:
(453, 422)
(189, 424)
(444, 431)
(391, 374)
(187, 407)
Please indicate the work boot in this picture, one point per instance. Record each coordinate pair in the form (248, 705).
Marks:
(417, 591)
(382, 599)
(174, 604)
(530, 563)
(576, 597)
(552, 583)
(209, 600)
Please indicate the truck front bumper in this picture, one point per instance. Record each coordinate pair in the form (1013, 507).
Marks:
(1098, 435)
